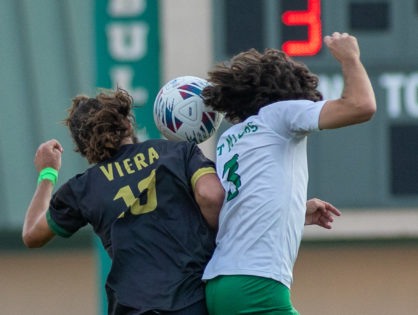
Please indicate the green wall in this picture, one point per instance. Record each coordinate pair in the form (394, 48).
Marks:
(46, 58)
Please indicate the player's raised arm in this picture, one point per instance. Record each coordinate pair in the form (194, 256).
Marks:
(357, 103)
(36, 231)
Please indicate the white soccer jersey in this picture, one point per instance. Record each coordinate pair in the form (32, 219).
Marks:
(262, 164)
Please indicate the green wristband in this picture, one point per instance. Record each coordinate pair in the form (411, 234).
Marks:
(48, 173)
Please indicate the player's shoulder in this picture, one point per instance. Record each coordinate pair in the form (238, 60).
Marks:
(284, 105)
(289, 110)
(68, 186)
(168, 144)
(77, 180)
(168, 149)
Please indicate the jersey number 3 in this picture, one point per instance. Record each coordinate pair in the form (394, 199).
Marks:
(231, 167)
(147, 200)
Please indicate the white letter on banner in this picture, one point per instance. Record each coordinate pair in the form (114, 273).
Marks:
(393, 84)
(127, 42)
(122, 77)
(129, 8)
(411, 91)
(331, 87)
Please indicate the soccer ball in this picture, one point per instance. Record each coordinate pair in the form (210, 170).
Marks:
(180, 113)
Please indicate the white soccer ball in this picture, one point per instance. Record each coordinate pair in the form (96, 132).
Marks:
(180, 113)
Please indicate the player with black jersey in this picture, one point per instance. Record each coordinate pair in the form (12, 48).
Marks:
(153, 204)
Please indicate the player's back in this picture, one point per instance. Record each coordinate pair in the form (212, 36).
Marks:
(161, 244)
(141, 204)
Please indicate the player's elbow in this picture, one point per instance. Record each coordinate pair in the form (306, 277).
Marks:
(31, 241)
(366, 111)
(210, 209)
(362, 109)
(212, 198)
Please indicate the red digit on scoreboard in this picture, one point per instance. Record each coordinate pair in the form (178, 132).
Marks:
(312, 18)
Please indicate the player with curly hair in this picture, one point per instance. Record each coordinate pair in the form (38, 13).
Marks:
(153, 204)
(273, 103)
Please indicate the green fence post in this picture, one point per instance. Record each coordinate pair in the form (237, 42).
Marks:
(128, 56)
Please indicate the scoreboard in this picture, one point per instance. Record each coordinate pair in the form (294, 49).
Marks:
(370, 165)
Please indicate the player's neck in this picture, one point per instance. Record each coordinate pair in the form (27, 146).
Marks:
(127, 140)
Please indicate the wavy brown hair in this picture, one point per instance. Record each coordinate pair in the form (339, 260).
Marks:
(99, 125)
(252, 80)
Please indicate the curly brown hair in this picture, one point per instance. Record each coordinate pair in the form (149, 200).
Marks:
(99, 125)
(253, 80)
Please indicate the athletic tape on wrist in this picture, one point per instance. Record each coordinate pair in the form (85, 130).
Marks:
(48, 173)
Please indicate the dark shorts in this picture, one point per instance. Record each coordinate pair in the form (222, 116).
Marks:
(198, 308)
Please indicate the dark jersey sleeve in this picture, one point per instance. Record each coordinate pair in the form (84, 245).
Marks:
(64, 216)
(198, 165)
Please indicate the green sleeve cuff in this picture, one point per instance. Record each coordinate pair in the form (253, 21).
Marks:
(55, 227)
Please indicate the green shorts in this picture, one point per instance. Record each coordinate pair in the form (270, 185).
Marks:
(239, 294)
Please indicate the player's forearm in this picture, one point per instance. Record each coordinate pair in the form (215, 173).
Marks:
(211, 215)
(35, 232)
(358, 91)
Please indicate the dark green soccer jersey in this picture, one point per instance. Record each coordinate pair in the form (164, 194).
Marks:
(141, 205)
